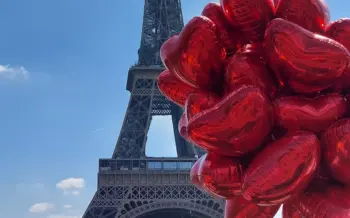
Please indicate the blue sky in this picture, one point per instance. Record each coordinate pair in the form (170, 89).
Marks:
(63, 70)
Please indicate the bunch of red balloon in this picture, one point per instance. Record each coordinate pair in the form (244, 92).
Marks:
(264, 88)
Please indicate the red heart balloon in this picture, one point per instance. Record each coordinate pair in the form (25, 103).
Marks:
(231, 40)
(343, 82)
(236, 125)
(197, 102)
(312, 15)
(250, 17)
(196, 55)
(174, 89)
(305, 61)
(282, 169)
(221, 176)
(247, 67)
(314, 115)
(332, 201)
(340, 31)
(194, 174)
(241, 208)
(182, 126)
(291, 208)
(336, 150)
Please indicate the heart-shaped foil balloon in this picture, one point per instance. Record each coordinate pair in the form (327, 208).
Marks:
(291, 208)
(194, 174)
(314, 115)
(196, 55)
(241, 208)
(221, 176)
(173, 88)
(332, 201)
(343, 82)
(282, 169)
(230, 40)
(336, 150)
(248, 67)
(198, 102)
(236, 125)
(305, 61)
(312, 15)
(250, 17)
(340, 31)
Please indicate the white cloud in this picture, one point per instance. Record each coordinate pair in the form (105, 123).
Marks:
(67, 206)
(62, 216)
(41, 207)
(8, 72)
(71, 185)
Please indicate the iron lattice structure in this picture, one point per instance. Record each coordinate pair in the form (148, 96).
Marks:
(161, 20)
(131, 185)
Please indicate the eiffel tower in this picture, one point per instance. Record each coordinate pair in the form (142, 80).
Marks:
(130, 184)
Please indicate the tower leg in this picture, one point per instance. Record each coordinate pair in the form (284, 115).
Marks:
(133, 135)
(184, 149)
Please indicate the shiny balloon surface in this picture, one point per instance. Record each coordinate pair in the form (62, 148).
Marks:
(196, 55)
(332, 201)
(250, 17)
(194, 174)
(248, 67)
(315, 115)
(230, 40)
(241, 208)
(221, 176)
(198, 102)
(304, 61)
(236, 125)
(340, 31)
(282, 169)
(173, 88)
(312, 15)
(336, 150)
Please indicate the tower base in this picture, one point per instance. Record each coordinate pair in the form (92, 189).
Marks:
(152, 187)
